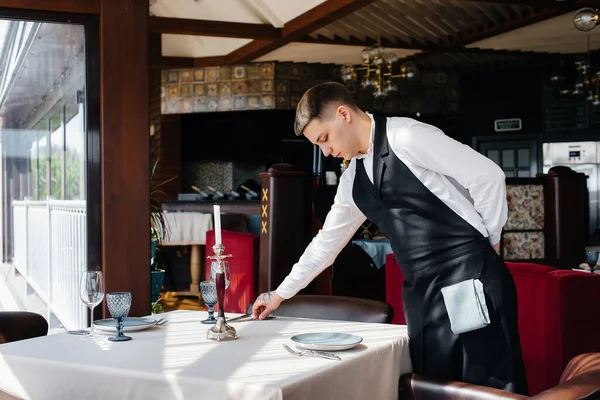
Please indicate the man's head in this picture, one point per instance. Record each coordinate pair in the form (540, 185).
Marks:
(328, 116)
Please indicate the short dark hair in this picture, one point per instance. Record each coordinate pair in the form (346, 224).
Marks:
(316, 99)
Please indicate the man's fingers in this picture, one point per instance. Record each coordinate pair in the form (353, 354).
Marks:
(257, 308)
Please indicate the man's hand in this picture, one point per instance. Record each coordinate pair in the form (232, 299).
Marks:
(265, 304)
(497, 248)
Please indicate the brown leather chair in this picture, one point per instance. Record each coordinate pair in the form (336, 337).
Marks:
(580, 380)
(334, 308)
(19, 325)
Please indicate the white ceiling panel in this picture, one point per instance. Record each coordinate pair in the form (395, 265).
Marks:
(323, 53)
(555, 35)
(199, 46)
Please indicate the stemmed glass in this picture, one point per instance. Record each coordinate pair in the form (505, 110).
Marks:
(208, 289)
(591, 258)
(119, 304)
(91, 292)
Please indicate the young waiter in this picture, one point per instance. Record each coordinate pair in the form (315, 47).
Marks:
(443, 206)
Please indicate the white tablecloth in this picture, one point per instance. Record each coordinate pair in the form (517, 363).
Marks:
(186, 228)
(176, 361)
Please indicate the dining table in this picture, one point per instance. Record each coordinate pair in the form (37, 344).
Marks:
(176, 360)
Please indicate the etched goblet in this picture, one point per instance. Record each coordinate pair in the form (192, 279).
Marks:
(119, 304)
(208, 290)
(591, 258)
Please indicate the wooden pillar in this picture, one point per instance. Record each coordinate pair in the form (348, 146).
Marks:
(285, 222)
(125, 160)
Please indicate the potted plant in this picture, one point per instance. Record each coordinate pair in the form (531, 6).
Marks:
(158, 228)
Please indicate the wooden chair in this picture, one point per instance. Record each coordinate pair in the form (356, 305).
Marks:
(20, 325)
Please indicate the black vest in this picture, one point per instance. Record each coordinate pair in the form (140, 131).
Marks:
(422, 229)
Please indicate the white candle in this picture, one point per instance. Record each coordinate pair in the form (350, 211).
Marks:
(217, 224)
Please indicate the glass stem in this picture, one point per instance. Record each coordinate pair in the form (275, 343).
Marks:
(92, 320)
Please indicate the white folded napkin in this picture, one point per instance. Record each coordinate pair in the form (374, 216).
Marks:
(465, 303)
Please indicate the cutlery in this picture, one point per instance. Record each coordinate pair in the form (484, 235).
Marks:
(161, 321)
(313, 353)
(79, 332)
(245, 316)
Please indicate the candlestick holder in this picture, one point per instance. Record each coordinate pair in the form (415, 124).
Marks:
(221, 330)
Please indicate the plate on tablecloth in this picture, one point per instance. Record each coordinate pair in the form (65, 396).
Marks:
(327, 341)
(131, 324)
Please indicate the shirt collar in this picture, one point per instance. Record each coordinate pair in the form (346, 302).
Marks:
(371, 138)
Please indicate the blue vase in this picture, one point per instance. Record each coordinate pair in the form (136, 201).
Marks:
(156, 284)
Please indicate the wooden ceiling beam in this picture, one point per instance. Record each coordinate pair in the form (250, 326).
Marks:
(182, 26)
(310, 21)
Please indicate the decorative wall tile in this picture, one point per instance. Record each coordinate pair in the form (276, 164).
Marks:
(212, 74)
(172, 90)
(239, 72)
(213, 103)
(185, 76)
(187, 90)
(199, 75)
(212, 89)
(266, 101)
(523, 245)
(239, 87)
(253, 71)
(201, 104)
(187, 105)
(218, 174)
(174, 105)
(253, 101)
(240, 102)
(199, 89)
(225, 88)
(225, 73)
(173, 76)
(267, 71)
(281, 101)
(266, 85)
(253, 86)
(281, 85)
(225, 103)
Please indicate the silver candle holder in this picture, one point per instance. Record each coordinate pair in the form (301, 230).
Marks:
(221, 330)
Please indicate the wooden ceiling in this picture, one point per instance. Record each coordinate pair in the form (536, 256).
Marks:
(218, 32)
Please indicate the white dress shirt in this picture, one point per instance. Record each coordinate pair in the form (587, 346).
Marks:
(469, 183)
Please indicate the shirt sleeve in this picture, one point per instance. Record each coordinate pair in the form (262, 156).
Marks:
(428, 147)
(341, 223)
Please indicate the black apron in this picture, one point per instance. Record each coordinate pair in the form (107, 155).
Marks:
(435, 247)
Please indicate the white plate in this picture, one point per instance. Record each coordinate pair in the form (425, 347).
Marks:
(327, 341)
(131, 324)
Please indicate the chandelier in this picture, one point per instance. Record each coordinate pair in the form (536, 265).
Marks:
(586, 83)
(378, 75)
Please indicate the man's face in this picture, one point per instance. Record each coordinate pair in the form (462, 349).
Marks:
(333, 133)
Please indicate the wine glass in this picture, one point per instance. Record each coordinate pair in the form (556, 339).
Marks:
(91, 292)
(208, 289)
(213, 272)
(119, 304)
(591, 258)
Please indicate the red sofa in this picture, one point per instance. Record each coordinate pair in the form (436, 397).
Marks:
(558, 318)
(243, 266)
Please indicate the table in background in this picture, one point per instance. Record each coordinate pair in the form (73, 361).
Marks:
(188, 229)
(176, 361)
